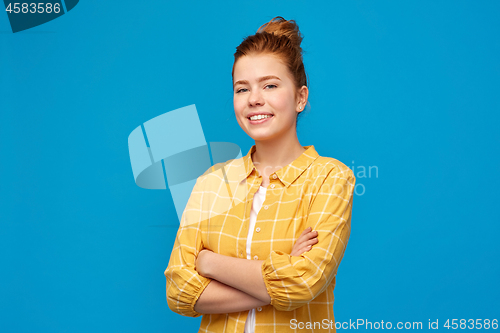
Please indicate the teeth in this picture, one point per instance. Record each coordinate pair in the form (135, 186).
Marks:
(260, 116)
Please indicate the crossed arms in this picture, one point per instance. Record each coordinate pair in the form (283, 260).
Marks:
(237, 284)
(201, 282)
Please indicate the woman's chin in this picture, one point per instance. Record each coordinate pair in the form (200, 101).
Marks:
(261, 137)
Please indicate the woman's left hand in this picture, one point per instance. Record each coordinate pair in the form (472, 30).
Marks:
(202, 262)
(305, 242)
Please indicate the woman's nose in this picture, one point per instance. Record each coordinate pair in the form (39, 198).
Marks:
(255, 98)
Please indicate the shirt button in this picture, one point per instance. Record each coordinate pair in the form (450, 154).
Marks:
(272, 185)
(259, 309)
(255, 257)
(274, 176)
(266, 207)
(257, 229)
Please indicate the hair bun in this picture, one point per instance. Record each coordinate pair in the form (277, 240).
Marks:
(281, 27)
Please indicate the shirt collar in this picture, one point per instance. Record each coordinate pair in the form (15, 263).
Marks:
(288, 174)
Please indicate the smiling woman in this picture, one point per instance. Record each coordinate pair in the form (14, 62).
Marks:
(267, 101)
(262, 236)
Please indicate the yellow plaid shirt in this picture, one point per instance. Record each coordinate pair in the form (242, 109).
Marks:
(311, 191)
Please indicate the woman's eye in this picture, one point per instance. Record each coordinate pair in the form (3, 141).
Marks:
(271, 86)
(241, 90)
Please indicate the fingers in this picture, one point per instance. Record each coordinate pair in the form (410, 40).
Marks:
(312, 241)
(305, 242)
(304, 249)
(306, 236)
(306, 230)
(306, 246)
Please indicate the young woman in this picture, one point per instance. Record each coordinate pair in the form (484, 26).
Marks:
(262, 236)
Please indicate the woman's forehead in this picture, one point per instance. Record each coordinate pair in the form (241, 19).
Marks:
(255, 67)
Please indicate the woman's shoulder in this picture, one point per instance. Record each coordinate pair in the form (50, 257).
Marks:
(228, 171)
(331, 166)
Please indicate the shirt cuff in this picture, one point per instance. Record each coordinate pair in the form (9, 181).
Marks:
(278, 271)
(183, 301)
(197, 295)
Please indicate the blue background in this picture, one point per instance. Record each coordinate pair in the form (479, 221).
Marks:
(410, 87)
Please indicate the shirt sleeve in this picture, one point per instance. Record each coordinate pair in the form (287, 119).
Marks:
(293, 282)
(184, 284)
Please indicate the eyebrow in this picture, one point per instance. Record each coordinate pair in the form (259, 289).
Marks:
(264, 78)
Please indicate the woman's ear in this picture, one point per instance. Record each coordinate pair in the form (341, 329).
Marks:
(302, 96)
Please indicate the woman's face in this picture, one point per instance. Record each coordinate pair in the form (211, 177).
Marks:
(264, 87)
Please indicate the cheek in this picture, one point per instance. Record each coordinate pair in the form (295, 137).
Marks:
(283, 102)
(239, 106)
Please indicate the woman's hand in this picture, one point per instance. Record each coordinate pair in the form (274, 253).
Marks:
(202, 262)
(305, 242)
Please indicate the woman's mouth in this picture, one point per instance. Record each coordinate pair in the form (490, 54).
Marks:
(260, 118)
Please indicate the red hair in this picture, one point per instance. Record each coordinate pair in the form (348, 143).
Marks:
(281, 38)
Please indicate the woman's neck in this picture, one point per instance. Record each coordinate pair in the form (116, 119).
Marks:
(270, 156)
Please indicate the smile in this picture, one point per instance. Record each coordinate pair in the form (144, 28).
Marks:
(259, 119)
